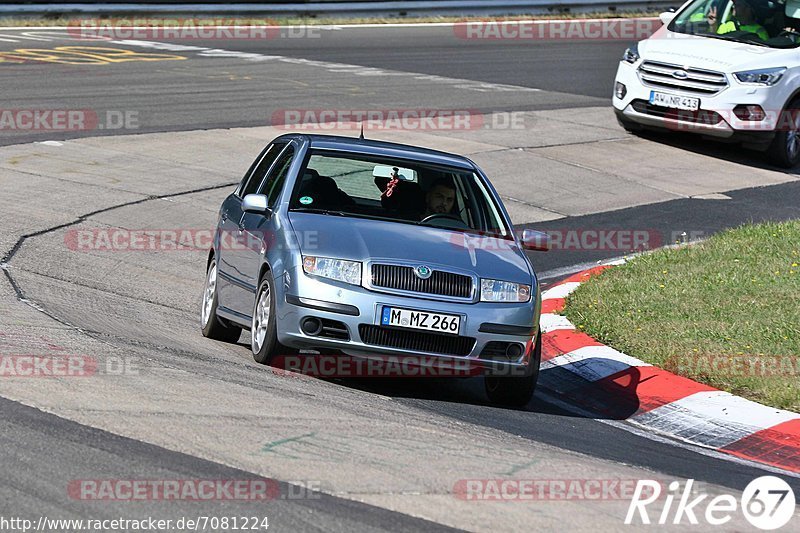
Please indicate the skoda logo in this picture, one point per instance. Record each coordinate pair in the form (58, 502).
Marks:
(680, 74)
(423, 272)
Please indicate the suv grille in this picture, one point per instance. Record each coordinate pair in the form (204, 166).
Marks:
(697, 81)
(403, 278)
(416, 341)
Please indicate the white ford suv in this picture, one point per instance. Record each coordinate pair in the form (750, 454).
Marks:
(726, 69)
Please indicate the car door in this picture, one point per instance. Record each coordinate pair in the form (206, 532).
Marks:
(259, 228)
(232, 285)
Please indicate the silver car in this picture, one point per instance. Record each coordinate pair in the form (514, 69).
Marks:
(367, 248)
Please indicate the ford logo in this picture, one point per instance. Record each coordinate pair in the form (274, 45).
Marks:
(423, 272)
(680, 74)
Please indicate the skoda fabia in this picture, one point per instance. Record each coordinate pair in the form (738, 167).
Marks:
(368, 248)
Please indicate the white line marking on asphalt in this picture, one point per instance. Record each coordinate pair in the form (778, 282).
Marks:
(355, 70)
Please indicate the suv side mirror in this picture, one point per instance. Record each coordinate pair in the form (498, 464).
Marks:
(666, 17)
(255, 203)
(535, 240)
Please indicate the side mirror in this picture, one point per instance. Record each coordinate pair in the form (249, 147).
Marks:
(535, 240)
(255, 203)
(666, 17)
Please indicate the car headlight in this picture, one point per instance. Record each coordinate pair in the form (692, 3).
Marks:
(338, 269)
(493, 290)
(764, 76)
(631, 54)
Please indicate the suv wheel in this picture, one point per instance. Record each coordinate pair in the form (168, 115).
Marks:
(212, 326)
(515, 391)
(785, 148)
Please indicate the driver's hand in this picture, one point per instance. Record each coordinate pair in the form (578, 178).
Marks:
(711, 17)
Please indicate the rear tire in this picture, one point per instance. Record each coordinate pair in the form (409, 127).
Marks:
(784, 151)
(515, 391)
(211, 325)
(264, 329)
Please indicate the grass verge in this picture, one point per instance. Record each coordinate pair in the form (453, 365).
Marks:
(725, 312)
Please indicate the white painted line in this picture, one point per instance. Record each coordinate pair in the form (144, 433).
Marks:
(551, 322)
(560, 291)
(594, 363)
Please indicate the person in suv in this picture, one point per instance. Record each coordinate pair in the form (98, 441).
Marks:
(745, 20)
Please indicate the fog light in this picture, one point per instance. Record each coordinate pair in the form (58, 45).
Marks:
(514, 351)
(753, 113)
(311, 326)
(620, 90)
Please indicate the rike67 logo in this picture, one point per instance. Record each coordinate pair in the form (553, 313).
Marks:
(768, 503)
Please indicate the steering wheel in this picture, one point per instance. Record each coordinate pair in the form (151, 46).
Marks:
(445, 217)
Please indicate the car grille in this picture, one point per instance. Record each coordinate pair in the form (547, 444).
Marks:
(701, 116)
(697, 81)
(416, 341)
(403, 278)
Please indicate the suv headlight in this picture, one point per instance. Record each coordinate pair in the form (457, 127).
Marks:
(631, 54)
(338, 269)
(493, 290)
(764, 76)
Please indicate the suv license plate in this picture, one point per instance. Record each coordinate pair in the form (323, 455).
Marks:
(674, 101)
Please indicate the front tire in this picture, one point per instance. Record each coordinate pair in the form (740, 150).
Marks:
(211, 325)
(264, 328)
(784, 151)
(515, 391)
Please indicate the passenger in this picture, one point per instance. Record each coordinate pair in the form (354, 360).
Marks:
(440, 198)
(745, 20)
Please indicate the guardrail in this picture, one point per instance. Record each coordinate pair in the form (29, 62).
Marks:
(333, 7)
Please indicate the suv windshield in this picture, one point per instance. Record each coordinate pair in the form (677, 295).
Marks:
(397, 190)
(775, 24)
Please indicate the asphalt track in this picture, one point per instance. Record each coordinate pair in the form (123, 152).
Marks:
(149, 318)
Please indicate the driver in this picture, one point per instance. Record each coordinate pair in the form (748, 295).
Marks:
(440, 198)
(745, 20)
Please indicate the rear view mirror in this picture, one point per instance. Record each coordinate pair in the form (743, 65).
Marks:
(386, 171)
(666, 17)
(535, 240)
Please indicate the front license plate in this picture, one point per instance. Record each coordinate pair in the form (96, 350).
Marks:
(674, 101)
(407, 318)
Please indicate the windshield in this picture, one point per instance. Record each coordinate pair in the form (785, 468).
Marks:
(760, 22)
(396, 190)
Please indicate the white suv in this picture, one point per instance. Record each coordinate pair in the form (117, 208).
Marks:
(727, 69)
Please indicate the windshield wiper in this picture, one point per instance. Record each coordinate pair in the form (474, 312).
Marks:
(320, 211)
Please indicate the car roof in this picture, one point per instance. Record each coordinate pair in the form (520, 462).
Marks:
(381, 148)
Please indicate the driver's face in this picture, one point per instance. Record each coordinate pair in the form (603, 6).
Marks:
(440, 199)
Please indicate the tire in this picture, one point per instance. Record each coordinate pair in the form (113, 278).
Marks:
(515, 391)
(264, 328)
(784, 151)
(211, 325)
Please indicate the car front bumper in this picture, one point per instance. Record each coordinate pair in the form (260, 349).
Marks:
(301, 296)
